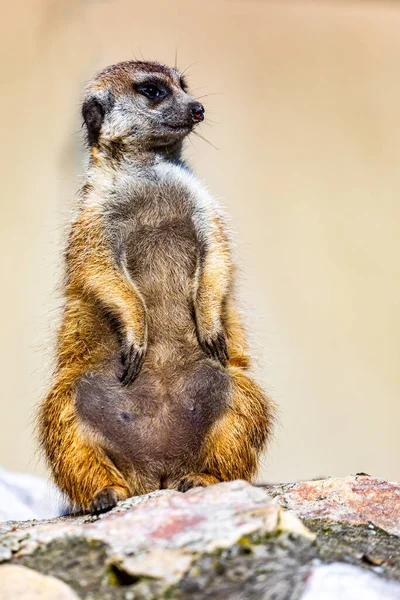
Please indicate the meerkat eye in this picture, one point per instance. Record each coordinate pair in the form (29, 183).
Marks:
(152, 91)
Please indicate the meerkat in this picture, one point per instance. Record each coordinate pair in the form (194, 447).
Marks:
(151, 387)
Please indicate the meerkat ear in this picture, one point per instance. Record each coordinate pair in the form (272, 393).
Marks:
(93, 115)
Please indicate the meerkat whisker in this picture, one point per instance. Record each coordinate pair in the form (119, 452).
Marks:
(205, 139)
(197, 62)
(207, 95)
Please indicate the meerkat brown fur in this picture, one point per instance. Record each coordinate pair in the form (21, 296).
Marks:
(151, 386)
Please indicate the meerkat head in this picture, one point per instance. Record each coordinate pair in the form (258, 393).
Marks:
(139, 103)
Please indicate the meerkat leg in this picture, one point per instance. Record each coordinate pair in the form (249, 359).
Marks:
(233, 445)
(80, 466)
(81, 470)
(212, 287)
(93, 272)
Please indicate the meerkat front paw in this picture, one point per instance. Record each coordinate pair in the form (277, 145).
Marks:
(132, 354)
(132, 357)
(215, 346)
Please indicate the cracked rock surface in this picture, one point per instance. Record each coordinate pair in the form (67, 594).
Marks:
(319, 540)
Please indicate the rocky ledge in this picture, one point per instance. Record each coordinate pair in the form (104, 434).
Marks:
(333, 539)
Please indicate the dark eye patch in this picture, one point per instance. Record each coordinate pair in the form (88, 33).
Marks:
(152, 90)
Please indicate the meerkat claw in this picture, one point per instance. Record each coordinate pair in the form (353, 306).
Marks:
(216, 348)
(132, 362)
(104, 501)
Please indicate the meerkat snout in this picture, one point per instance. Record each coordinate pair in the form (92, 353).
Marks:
(197, 111)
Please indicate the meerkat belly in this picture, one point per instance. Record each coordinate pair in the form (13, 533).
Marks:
(159, 422)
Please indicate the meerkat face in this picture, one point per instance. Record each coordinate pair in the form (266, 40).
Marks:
(139, 102)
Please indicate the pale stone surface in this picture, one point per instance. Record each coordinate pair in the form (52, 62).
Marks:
(21, 583)
(344, 582)
(355, 500)
(166, 565)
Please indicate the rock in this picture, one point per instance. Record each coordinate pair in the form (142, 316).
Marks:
(20, 583)
(355, 500)
(232, 540)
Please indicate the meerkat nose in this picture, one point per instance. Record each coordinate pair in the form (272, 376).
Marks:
(197, 111)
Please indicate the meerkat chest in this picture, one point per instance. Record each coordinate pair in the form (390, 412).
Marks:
(166, 193)
(160, 219)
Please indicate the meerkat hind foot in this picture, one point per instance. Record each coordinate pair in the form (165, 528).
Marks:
(105, 500)
(196, 480)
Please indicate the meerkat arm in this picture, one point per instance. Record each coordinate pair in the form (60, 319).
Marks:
(93, 271)
(214, 279)
(235, 335)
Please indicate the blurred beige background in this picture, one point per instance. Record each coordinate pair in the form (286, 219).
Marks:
(307, 122)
